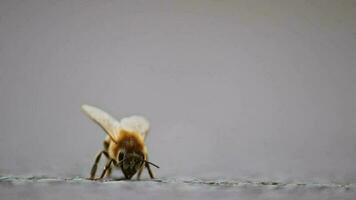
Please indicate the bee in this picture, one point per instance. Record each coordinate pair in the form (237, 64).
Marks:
(124, 145)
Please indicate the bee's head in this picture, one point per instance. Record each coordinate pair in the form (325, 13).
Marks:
(130, 163)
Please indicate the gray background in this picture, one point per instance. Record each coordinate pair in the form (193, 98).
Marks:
(232, 88)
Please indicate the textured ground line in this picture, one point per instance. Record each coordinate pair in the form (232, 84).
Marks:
(189, 181)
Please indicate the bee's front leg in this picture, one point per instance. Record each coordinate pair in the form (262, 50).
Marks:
(95, 165)
(139, 173)
(107, 167)
(149, 170)
(108, 172)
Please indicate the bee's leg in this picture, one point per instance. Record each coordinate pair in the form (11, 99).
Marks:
(108, 173)
(95, 165)
(107, 167)
(149, 170)
(139, 173)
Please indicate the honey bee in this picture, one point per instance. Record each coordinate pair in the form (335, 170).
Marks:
(124, 145)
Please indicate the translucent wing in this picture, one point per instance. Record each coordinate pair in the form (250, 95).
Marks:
(103, 119)
(136, 123)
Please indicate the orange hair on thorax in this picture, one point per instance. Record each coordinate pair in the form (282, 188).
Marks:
(130, 141)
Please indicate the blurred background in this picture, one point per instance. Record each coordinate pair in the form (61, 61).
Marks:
(234, 89)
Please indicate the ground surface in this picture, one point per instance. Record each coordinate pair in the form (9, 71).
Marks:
(42, 187)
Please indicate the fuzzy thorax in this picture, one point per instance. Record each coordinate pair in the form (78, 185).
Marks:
(129, 141)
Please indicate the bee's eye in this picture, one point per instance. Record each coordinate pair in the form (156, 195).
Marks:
(121, 156)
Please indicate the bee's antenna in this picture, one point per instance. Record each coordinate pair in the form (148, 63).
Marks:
(148, 162)
(151, 163)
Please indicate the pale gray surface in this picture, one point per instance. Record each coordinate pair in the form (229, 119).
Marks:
(152, 191)
(167, 188)
(232, 88)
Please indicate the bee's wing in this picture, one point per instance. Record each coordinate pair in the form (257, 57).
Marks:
(136, 123)
(103, 119)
